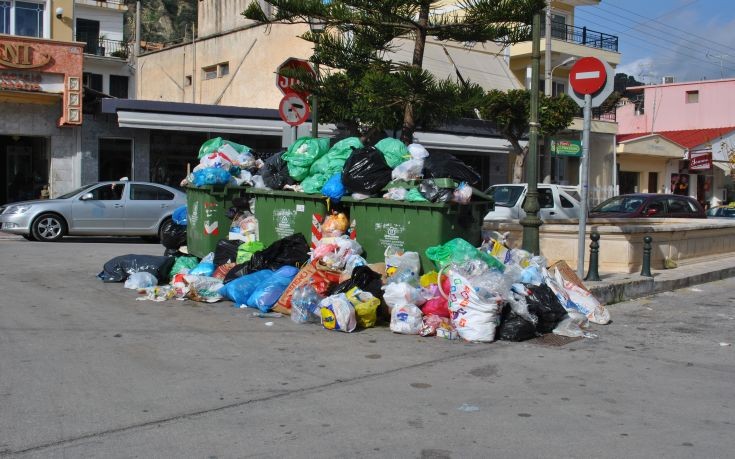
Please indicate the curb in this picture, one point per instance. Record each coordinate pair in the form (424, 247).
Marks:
(625, 290)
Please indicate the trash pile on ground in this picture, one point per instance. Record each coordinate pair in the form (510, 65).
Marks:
(452, 288)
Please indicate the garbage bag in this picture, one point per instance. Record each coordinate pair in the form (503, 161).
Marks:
(205, 267)
(246, 250)
(275, 172)
(338, 313)
(222, 270)
(140, 280)
(366, 308)
(302, 154)
(334, 189)
(119, 268)
(314, 183)
(445, 165)
(239, 290)
(179, 216)
(305, 304)
(203, 289)
(226, 251)
(406, 319)
(543, 303)
(394, 151)
(366, 171)
(400, 293)
(363, 278)
(183, 265)
(267, 293)
(474, 316)
(396, 260)
(431, 191)
(212, 145)
(514, 327)
(408, 170)
(211, 176)
(460, 251)
(289, 251)
(417, 151)
(334, 160)
(413, 195)
(173, 235)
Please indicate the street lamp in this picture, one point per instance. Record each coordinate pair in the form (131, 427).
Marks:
(566, 61)
(547, 156)
(317, 27)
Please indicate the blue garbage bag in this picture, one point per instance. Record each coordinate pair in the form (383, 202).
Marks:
(179, 216)
(334, 189)
(211, 176)
(240, 289)
(266, 295)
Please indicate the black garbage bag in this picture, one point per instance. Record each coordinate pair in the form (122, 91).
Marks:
(173, 236)
(289, 251)
(119, 268)
(174, 253)
(226, 252)
(433, 193)
(514, 327)
(363, 278)
(445, 165)
(275, 172)
(545, 305)
(366, 171)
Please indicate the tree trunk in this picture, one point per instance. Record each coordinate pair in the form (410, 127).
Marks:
(409, 120)
(520, 160)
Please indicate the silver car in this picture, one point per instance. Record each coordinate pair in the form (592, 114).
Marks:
(120, 208)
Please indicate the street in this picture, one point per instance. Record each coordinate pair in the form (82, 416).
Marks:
(86, 370)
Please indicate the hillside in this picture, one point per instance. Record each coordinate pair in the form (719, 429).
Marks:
(163, 21)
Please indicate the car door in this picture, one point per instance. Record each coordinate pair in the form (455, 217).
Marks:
(680, 207)
(101, 213)
(147, 205)
(547, 205)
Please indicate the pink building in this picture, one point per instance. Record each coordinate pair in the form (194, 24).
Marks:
(678, 133)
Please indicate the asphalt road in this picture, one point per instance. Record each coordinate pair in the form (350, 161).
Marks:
(88, 371)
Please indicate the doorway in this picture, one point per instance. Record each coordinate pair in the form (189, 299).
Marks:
(25, 168)
(628, 182)
(653, 182)
(115, 159)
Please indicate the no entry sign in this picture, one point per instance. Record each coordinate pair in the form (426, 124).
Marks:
(588, 75)
(293, 109)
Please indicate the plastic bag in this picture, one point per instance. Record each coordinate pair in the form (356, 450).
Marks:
(205, 267)
(119, 268)
(302, 154)
(417, 151)
(463, 194)
(184, 265)
(173, 235)
(318, 279)
(204, 289)
(514, 327)
(544, 304)
(573, 326)
(583, 301)
(212, 145)
(396, 194)
(268, 292)
(409, 263)
(366, 307)
(334, 189)
(274, 173)
(334, 160)
(335, 225)
(305, 304)
(460, 251)
(211, 176)
(413, 195)
(409, 170)
(338, 313)
(438, 305)
(226, 251)
(401, 293)
(246, 250)
(433, 193)
(431, 323)
(313, 184)
(140, 280)
(222, 270)
(289, 251)
(364, 278)
(366, 171)
(394, 151)
(474, 317)
(240, 289)
(179, 216)
(216, 159)
(444, 165)
(406, 319)
(352, 262)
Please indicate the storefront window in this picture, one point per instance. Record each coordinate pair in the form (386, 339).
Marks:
(4, 17)
(29, 19)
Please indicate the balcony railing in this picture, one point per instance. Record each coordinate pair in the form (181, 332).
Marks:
(583, 36)
(599, 114)
(104, 47)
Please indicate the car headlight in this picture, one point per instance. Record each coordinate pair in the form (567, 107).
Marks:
(21, 209)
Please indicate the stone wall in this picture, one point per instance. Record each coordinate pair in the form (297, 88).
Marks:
(105, 126)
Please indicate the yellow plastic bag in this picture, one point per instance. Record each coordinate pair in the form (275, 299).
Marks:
(366, 307)
(429, 278)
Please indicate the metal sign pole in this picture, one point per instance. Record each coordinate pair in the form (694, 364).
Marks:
(584, 185)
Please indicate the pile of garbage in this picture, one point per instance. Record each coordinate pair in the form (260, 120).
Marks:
(389, 169)
(478, 294)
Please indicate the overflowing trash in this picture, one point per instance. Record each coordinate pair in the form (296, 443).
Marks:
(452, 290)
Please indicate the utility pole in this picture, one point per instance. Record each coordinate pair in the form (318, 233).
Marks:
(548, 90)
(531, 222)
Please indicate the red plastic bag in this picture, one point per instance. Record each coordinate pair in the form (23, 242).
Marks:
(438, 305)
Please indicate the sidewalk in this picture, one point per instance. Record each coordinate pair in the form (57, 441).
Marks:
(614, 288)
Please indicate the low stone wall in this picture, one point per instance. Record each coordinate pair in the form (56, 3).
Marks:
(621, 240)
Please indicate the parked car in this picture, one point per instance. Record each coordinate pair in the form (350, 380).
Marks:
(119, 208)
(556, 202)
(646, 205)
(721, 212)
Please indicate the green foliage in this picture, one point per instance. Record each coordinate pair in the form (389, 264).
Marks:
(162, 21)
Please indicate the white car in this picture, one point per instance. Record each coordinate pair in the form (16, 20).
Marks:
(556, 202)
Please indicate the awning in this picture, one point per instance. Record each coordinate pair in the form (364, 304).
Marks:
(724, 166)
(464, 143)
(199, 123)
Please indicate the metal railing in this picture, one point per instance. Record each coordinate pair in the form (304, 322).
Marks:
(599, 114)
(104, 47)
(583, 36)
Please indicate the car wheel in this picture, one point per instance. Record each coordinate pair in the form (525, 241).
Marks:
(29, 237)
(165, 222)
(48, 228)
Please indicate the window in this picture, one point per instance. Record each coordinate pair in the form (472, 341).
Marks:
(692, 97)
(88, 31)
(210, 73)
(149, 193)
(119, 86)
(187, 80)
(108, 192)
(92, 81)
(224, 69)
(23, 18)
(545, 198)
(679, 206)
(566, 203)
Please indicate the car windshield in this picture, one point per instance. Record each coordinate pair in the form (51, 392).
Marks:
(72, 193)
(620, 204)
(505, 195)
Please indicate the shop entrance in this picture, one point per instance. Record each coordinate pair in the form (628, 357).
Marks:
(25, 166)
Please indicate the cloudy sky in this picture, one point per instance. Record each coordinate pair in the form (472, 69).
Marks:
(688, 39)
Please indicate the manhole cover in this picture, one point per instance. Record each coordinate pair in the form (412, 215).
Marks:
(551, 339)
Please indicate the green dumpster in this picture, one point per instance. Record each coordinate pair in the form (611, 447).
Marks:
(283, 213)
(207, 221)
(415, 226)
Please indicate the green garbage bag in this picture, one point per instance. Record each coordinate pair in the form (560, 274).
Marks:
(211, 145)
(414, 195)
(459, 251)
(302, 154)
(298, 173)
(183, 263)
(246, 250)
(314, 183)
(334, 160)
(394, 151)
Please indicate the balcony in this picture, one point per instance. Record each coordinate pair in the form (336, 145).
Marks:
(104, 47)
(599, 114)
(583, 36)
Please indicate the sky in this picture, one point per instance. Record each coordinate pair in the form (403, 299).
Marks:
(688, 39)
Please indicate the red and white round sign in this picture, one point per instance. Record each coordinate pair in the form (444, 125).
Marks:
(588, 75)
(293, 109)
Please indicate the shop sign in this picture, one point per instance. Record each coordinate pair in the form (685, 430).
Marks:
(700, 161)
(571, 148)
(12, 80)
(22, 56)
